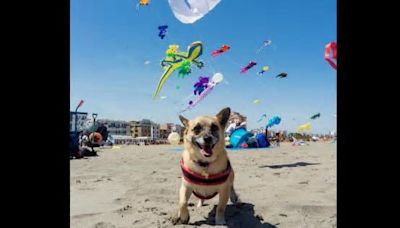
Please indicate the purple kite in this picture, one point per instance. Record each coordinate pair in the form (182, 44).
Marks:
(201, 85)
(215, 80)
(248, 67)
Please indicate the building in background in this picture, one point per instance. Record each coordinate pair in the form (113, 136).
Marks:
(116, 127)
(154, 131)
(82, 117)
(145, 128)
(135, 128)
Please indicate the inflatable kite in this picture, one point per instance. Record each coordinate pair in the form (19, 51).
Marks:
(216, 79)
(223, 49)
(304, 127)
(315, 116)
(200, 85)
(179, 61)
(282, 75)
(144, 2)
(248, 67)
(265, 43)
(262, 117)
(331, 47)
(273, 121)
(163, 31)
(264, 69)
(189, 11)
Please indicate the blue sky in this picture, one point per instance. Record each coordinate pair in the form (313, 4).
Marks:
(111, 40)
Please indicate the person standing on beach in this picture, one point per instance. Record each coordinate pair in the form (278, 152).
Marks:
(277, 138)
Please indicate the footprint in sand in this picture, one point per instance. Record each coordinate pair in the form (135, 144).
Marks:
(104, 225)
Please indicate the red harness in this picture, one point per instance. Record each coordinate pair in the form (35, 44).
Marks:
(205, 180)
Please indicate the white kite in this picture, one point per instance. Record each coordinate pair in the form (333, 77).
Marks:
(189, 11)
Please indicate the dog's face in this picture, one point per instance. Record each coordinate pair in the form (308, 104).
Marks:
(204, 135)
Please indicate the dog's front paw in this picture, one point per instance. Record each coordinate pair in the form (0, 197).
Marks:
(178, 220)
(220, 221)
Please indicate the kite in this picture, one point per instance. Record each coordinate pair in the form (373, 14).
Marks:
(315, 116)
(262, 117)
(273, 121)
(189, 11)
(163, 31)
(216, 79)
(256, 101)
(200, 85)
(264, 69)
(331, 46)
(146, 62)
(265, 43)
(282, 75)
(144, 2)
(223, 49)
(304, 127)
(248, 67)
(179, 61)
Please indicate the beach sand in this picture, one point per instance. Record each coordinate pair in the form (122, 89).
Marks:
(138, 186)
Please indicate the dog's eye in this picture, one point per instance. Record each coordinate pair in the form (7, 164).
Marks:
(214, 128)
(197, 129)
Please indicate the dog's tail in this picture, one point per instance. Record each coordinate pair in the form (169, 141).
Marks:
(233, 196)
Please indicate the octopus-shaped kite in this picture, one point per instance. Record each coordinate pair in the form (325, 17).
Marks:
(273, 121)
(201, 85)
(215, 80)
(180, 61)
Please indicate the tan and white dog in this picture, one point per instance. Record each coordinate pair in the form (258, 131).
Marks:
(205, 166)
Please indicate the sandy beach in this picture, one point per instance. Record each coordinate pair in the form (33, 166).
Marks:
(137, 186)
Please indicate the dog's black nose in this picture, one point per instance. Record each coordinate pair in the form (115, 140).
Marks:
(207, 139)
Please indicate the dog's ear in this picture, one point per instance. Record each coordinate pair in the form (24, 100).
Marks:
(184, 121)
(223, 116)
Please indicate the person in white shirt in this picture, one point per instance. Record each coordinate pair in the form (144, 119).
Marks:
(237, 121)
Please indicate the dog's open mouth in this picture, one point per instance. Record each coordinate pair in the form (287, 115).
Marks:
(206, 150)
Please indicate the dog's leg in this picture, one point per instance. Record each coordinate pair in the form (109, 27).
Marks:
(233, 196)
(200, 204)
(223, 200)
(183, 212)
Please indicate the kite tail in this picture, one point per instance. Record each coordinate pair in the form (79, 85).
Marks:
(333, 64)
(163, 78)
(258, 50)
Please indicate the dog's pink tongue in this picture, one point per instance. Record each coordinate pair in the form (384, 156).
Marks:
(207, 150)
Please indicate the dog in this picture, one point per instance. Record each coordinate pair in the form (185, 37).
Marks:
(205, 165)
